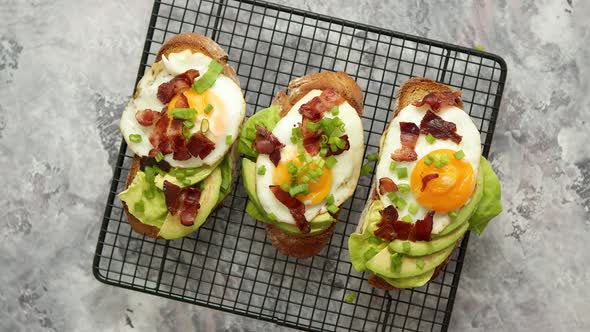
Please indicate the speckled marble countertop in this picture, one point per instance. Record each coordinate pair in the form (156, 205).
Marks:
(67, 67)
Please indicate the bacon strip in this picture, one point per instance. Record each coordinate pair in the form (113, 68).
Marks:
(147, 117)
(151, 161)
(176, 85)
(390, 228)
(200, 145)
(427, 179)
(315, 108)
(386, 185)
(296, 207)
(409, 133)
(438, 100)
(182, 200)
(439, 128)
(267, 143)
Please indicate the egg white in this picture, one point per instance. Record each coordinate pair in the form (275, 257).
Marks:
(345, 172)
(146, 98)
(470, 144)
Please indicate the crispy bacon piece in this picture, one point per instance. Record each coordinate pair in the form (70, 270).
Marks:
(389, 228)
(423, 228)
(171, 195)
(296, 207)
(439, 128)
(409, 133)
(176, 85)
(147, 117)
(267, 143)
(438, 100)
(427, 178)
(158, 137)
(151, 161)
(200, 145)
(386, 185)
(182, 200)
(181, 102)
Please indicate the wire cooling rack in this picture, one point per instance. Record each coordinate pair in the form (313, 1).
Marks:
(229, 264)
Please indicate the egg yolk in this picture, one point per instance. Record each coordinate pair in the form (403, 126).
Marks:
(318, 191)
(450, 190)
(199, 102)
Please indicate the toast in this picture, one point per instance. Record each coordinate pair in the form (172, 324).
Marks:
(302, 246)
(412, 90)
(196, 43)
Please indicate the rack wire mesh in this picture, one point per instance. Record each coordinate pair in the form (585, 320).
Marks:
(228, 264)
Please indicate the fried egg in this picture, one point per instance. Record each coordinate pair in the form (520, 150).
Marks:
(340, 180)
(456, 180)
(223, 121)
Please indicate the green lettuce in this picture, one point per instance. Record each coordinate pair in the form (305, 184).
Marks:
(360, 243)
(267, 118)
(154, 210)
(226, 176)
(490, 204)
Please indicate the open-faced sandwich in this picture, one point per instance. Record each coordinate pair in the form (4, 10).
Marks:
(431, 186)
(303, 157)
(181, 124)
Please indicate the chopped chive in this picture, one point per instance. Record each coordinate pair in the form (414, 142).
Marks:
(335, 110)
(413, 208)
(228, 140)
(299, 189)
(190, 171)
(320, 162)
(333, 209)
(159, 156)
(207, 80)
(183, 113)
(341, 144)
(296, 135)
(453, 214)
(262, 170)
(272, 216)
(307, 158)
(313, 126)
(330, 199)
(374, 240)
(392, 166)
(396, 262)
(400, 203)
(407, 218)
(291, 168)
(403, 188)
(188, 124)
(180, 176)
(437, 163)
(420, 264)
(444, 160)
(139, 207)
(372, 156)
(304, 179)
(406, 247)
(186, 182)
(459, 155)
(204, 126)
(149, 194)
(150, 174)
(392, 197)
(331, 161)
(135, 138)
(285, 186)
(350, 298)
(323, 151)
(208, 109)
(366, 169)
(428, 160)
(430, 139)
(480, 47)
(402, 172)
(370, 253)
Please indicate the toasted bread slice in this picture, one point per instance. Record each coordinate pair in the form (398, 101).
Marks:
(412, 90)
(307, 246)
(196, 43)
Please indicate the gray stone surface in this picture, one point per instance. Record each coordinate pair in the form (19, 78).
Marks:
(67, 67)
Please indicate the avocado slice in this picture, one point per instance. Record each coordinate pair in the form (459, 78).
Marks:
(154, 210)
(199, 173)
(319, 223)
(410, 282)
(467, 210)
(173, 229)
(381, 263)
(422, 248)
(491, 202)
(373, 217)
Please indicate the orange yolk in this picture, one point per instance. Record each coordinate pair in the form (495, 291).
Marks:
(199, 102)
(318, 191)
(452, 188)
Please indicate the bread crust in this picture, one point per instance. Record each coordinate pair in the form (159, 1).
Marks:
(413, 89)
(303, 246)
(179, 43)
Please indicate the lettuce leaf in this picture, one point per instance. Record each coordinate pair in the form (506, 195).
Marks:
(490, 204)
(267, 118)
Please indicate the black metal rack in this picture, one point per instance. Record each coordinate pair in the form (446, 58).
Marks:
(228, 264)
